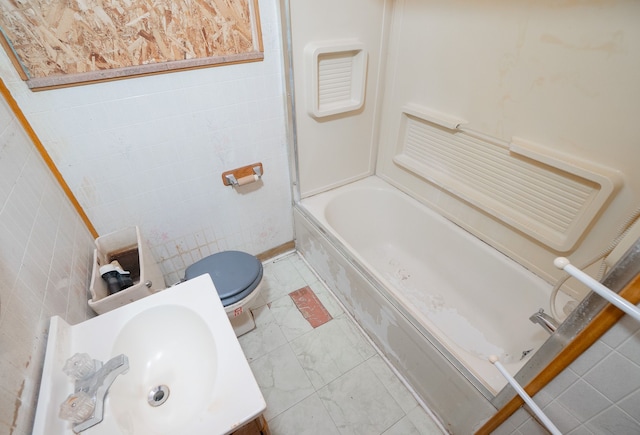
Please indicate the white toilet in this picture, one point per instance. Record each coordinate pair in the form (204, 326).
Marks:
(238, 279)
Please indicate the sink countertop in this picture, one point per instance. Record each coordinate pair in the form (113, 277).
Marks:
(234, 399)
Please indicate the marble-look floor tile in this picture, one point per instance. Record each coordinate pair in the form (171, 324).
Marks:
(266, 337)
(396, 388)
(292, 322)
(281, 379)
(416, 422)
(331, 350)
(403, 427)
(359, 404)
(308, 417)
(353, 334)
(290, 360)
(302, 268)
(280, 278)
(327, 298)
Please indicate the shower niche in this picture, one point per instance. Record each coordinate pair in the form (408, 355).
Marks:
(337, 73)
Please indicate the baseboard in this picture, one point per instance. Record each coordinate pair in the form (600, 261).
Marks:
(278, 250)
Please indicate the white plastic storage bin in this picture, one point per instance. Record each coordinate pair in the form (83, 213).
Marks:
(134, 256)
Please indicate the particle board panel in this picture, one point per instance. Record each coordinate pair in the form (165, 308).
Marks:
(64, 43)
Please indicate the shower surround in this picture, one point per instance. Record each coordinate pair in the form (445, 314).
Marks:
(496, 116)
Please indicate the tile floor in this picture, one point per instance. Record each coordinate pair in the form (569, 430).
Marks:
(323, 380)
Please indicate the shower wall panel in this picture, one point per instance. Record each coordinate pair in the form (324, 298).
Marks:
(339, 148)
(513, 71)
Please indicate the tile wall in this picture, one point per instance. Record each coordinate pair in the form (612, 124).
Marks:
(598, 394)
(45, 255)
(150, 152)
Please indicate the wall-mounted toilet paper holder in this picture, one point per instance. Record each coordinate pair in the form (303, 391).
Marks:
(244, 175)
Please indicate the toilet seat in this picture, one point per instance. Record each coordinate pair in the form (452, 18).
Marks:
(235, 274)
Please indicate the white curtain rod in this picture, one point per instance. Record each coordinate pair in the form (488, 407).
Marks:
(611, 296)
(528, 400)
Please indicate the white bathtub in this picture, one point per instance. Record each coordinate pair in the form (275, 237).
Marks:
(453, 287)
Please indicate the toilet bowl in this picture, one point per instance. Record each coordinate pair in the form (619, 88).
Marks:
(237, 277)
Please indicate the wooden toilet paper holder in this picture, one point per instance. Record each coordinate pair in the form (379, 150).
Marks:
(244, 175)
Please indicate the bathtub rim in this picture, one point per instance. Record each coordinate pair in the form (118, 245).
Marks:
(455, 401)
(328, 207)
(478, 371)
(339, 245)
(616, 279)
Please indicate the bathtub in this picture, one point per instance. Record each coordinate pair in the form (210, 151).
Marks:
(464, 297)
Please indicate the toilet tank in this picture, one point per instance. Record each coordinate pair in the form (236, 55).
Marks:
(133, 254)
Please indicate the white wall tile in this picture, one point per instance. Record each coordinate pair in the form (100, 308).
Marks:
(41, 238)
(530, 427)
(561, 383)
(626, 327)
(574, 399)
(520, 417)
(600, 390)
(561, 417)
(614, 421)
(631, 404)
(588, 360)
(605, 377)
(631, 348)
(581, 430)
(149, 151)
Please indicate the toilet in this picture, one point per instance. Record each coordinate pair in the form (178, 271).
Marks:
(237, 277)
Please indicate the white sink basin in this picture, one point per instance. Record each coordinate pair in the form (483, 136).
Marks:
(171, 346)
(180, 339)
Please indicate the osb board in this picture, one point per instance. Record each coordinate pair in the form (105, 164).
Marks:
(66, 42)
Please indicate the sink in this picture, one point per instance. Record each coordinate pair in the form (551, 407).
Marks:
(169, 346)
(187, 372)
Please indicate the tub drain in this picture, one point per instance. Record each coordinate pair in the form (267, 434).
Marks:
(158, 395)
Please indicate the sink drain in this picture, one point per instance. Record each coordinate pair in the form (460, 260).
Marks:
(158, 395)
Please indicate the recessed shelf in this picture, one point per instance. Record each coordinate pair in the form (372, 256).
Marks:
(336, 76)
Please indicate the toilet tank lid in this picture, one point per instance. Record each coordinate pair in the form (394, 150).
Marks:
(232, 272)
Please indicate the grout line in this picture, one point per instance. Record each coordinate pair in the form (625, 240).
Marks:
(402, 379)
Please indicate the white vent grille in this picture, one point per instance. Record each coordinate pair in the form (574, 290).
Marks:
(541, 199)
(336, 74)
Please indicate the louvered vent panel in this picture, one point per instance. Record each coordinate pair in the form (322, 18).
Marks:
(542, 200)
(335, 74)
(335, 77)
